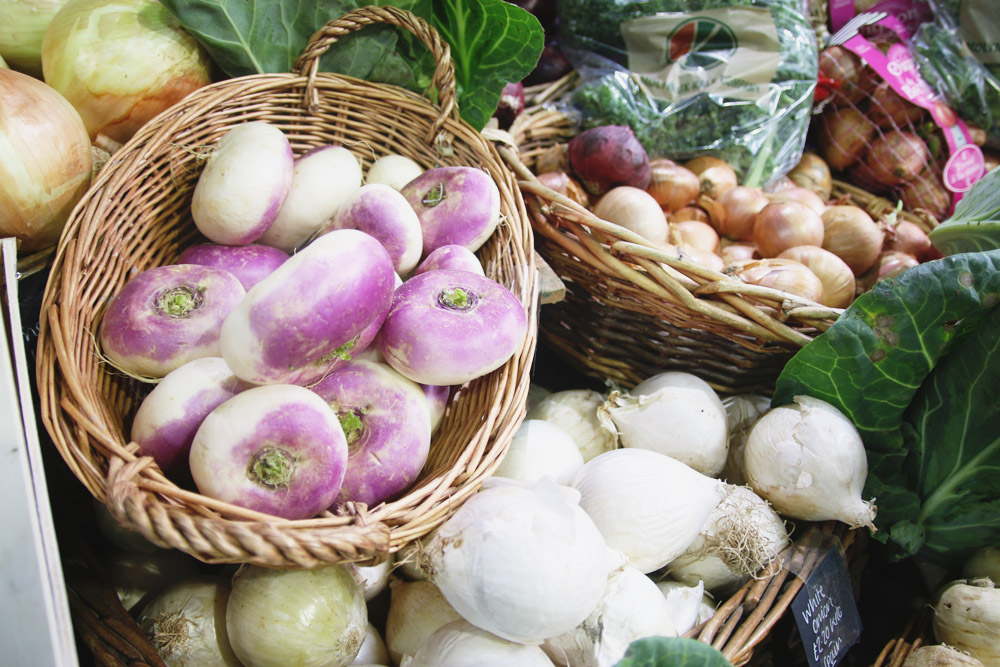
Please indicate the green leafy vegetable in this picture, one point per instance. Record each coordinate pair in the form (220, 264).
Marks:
(672, 652)
(492, 43)
(975, 224)
(890, 360)
(761, 139)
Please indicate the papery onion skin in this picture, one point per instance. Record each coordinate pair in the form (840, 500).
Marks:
(635, 210)
(671, 184)
(695, 234)
(741, 204)
(812, 172)
(851, 234)
(926, 191)
(839, 283)
(781, 274)
(120, 63)
(782, 225)
(461, 644)
(801, 195)
(844, 134)
(908, 237)
(715, 176)
(575, 410)
(22, 26)
(310, 617)
(897, 157)
(844, 68)
(46, 160)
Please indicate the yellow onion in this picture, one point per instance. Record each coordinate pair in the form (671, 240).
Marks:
(896, 157)
(813, 173)
(907, 237)
(688, 213)
(566, 185)
(735, 252)
(22, 25)
(839, 284)
(672, 185)
(926, 192)
(45, 160)
(742, 204)
(801, 195)
(844, 134)
(715, 175)
(851, 234)
(781, 225)
(634, 209)
(121, 62)
(694, 233)
(781, 274)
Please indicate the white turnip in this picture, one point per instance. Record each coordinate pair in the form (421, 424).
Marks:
(450, 256)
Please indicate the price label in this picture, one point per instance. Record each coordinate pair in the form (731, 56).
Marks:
(825, 612)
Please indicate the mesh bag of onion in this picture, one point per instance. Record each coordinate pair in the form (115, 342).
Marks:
(883, 128)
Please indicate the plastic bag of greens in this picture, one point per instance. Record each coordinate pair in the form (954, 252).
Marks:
(730, 78)
(948, 65)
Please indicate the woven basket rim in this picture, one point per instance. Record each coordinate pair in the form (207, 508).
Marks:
(134, 488)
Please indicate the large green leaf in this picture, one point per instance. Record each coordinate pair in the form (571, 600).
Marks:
(975, 223)
(872, 363)
(492, 43)
(672, 652)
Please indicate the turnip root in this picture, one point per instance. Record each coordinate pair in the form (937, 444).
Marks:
(939, 655)
(249, 263)
(455, 205)
(450, 256)
(170, 415)
(322, 180)
(166, 316)
(387, 423)
(437, 401)
(382, 212)
(967, 617)
(244, 184)
(296, 324)
(447, 327)
(393, 170)
(276, 449)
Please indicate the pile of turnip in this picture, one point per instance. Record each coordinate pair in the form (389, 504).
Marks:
(304, 351)
(793, 236)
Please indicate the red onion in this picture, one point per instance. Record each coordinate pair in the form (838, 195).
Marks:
(607, 156)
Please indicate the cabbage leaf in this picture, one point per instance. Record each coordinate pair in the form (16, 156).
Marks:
(975, 223)
(671, 652)
(915, 364)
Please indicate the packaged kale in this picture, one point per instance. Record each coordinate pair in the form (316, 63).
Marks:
(730, 78)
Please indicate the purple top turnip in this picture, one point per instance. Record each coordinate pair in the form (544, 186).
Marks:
(249, 263)
(450, 256)
(276, 449)
(171, 413)
(459, 205)
(387, 424)
(447, 327)
(381, 211)
(244, 184)
(166, 316)
(607, 156)
(307, 316)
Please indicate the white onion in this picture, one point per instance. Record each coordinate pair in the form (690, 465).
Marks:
(632, 607)
(673, 413)
(741, 536)
(742, 410)
(409, 561)
(22, 26)
(539, 449)
(461, 644)
(647, 505)
(308, 617)
(139, 576)
(121, 62)
(521, 560)
(45, 160)
(416, 610)
(575, 410)
(374, 578)
(373, 650)
(808, 460)
(186, 624)
(690, 606)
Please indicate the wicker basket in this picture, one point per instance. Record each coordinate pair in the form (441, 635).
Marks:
(625, 317)
(136, 215)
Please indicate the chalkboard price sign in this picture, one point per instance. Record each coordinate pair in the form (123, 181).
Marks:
(825, 612)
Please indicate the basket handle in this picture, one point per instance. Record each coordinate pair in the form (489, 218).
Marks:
(307, 64)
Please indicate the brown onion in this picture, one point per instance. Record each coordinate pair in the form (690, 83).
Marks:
(838, 280)
(851, 234)
(737, 252)
(991, 159)
(926, 192)
(715, 175)
(694, 233)
(888, 110)
(907, 237)
(555, 158)
(844, 134)
(888, 264)
(782, 274)
(565, 185)
(742, 204)
(634, 209)
(896, 157)
(861, 174)
(708, 259)
(813, 173)
(801, 195)
(671, 184)
(782, 225)
(845, 69)
(689, 213)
